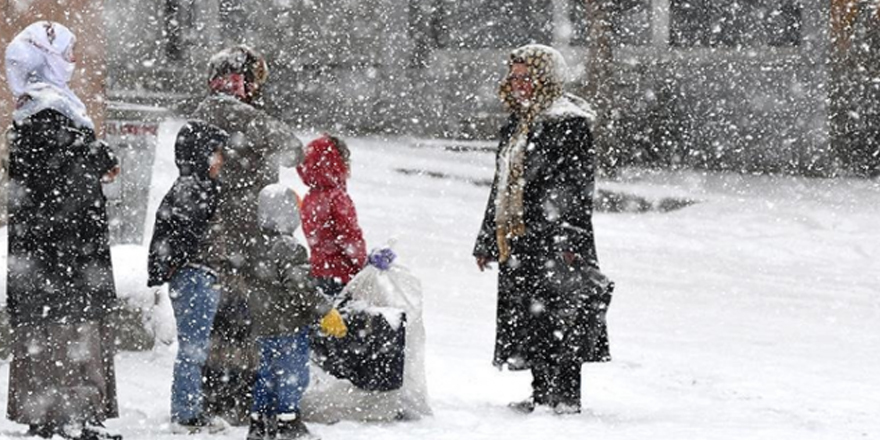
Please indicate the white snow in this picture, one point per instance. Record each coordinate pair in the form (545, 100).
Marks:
(754, 314)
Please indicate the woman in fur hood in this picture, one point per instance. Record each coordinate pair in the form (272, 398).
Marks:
(538, 228)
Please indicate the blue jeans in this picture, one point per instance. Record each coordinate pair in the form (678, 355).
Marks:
(283, 375)
(194, 298)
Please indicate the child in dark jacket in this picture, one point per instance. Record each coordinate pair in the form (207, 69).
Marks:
(176, 257)
(284, 304)
(329, 218)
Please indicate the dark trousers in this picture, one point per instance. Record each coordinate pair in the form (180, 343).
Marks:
(555, 382)
(331, 287)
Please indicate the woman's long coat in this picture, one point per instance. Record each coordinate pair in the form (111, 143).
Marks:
(59, 252)
(545, 306)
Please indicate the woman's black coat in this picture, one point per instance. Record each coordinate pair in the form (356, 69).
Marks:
(59, 251)
(545, 306)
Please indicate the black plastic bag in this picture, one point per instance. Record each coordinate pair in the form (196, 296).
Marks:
(371, 355)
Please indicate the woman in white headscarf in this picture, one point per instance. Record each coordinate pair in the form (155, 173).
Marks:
(60, 287)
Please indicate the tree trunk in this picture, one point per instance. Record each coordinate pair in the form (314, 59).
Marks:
(600, 82)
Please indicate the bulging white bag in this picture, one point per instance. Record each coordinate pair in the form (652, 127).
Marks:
(381, 284)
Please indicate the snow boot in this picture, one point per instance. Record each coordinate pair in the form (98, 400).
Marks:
(262, 427)
(211, 425)
(524, 407)
(564, 409)
(41, 430)
(97, 431)
(86, 431)
(291, 427)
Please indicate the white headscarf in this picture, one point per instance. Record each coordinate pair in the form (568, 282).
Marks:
(39, 65)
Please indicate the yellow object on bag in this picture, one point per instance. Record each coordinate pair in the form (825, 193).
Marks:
(333, 324)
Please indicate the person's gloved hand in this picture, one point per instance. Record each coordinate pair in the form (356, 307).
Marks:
(333, 324)
(382, 258)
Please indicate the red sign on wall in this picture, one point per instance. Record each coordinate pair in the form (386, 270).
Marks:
(117, 128)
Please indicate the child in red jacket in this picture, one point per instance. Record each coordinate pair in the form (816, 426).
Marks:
(338, 251)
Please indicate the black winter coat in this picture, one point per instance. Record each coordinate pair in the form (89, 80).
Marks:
(181, 224)
(184, 215)
(59, 251)
(546, 307)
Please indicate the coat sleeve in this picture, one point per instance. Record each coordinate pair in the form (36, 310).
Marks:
(101, 157)
(487, 244)
(295, 275)
(278, 140)
(181, 222)
(344, 218)
(568, 200)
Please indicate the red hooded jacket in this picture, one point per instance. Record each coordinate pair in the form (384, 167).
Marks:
(329, 219)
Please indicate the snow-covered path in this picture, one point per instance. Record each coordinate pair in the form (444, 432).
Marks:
(754, 314)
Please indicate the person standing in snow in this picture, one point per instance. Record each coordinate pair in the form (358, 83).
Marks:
(538, 228)
(60, 288)
(176, 256)
(258, 144)
(329, 218)
(284, 303)
(4, 172)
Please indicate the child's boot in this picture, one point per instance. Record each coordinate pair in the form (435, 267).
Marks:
(262, 427)
(291, 427)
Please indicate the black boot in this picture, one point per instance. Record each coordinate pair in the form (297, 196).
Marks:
(291, 427)
(97, 431)
(41, 430)
(262, 427)
(86, 431)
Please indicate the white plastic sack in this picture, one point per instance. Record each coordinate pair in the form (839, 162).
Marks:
(328, 399)
(159, 317)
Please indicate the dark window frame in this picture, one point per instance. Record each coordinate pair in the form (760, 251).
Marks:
(735, 23)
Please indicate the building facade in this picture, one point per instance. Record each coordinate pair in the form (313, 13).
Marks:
(739, 85)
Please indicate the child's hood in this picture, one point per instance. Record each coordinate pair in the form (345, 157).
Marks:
(278, 209)
(196, 143)
(323, 166)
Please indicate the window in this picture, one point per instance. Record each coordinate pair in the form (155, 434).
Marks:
(630, 22)
(482, 24)
(734, 23)
(173, 31)
(232, 20)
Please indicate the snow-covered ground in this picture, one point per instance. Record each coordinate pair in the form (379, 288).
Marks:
(754, 314)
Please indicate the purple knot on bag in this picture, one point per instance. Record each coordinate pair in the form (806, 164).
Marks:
(382, 258)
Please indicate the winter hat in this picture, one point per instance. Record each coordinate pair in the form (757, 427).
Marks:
(325, 164)
(278, 209)
(40, 63)
(196, 142)
(238, 71)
